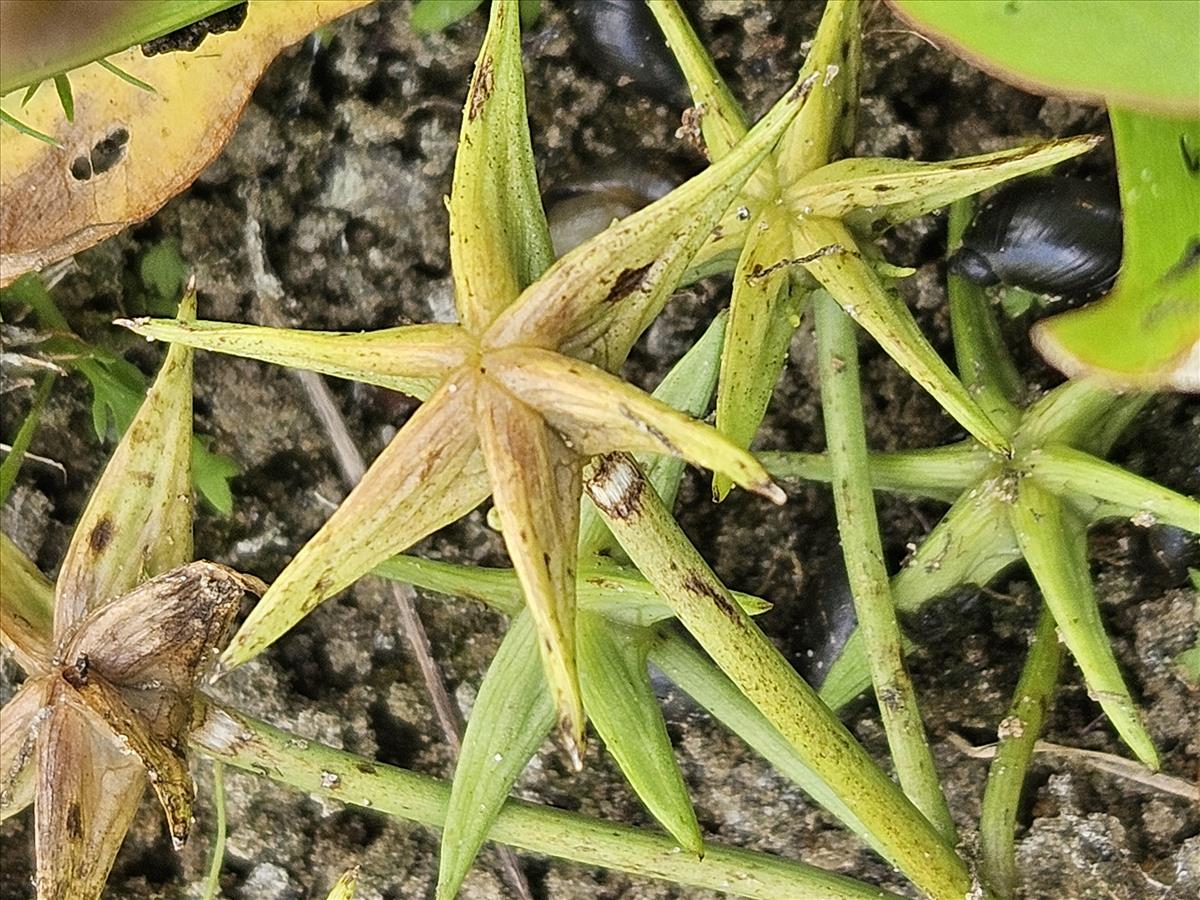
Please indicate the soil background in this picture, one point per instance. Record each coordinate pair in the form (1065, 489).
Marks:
(343, 157)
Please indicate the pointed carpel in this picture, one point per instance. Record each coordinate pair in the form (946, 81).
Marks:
(499, 241)
(87, 794)
(411, 359)
(595, 301)
(429, 475)
(536, 486)
(896, 190)
(138, 521)
(827, 250)
(598, 412)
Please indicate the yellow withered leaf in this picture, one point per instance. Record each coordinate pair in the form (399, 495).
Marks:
(128, 150)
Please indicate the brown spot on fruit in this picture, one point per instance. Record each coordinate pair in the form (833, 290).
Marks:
(101, 535)
(482, 89)
(627, 282)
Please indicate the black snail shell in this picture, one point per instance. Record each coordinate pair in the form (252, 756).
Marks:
(622, 42)
(1047, 234)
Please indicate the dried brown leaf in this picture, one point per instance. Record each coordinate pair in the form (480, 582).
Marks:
(128, 150)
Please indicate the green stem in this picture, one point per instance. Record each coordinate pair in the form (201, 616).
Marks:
(1019, 732)
(941, 473)
(11, 467)
(247, 743)
(1065, 471)
(660, 550)
(862, 548)
(212, 887)
(983, 362)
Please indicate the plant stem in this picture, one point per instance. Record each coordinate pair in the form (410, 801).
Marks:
(212, 886)
(1019, 732)
(941, 473)
(667, 558)
(247, 743)
(862, 548)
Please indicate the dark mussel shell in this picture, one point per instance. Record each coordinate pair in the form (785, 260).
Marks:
(622, 41)
(1047, 234)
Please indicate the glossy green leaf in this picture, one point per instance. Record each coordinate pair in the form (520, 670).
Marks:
(513, 714)
(1139, 55)
(1155, 305)
(499, 241)
(430, 16)
(622, 706)
(1054, 545)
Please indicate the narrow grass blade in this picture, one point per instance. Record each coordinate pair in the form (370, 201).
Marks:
(984, 364)
(617, 592)
(862, 549)
(722, 121)
(970, 545)
(688, 388)
(599, 412)
(62, 84)
(498, 588)
(896, 190)
(499, 242)
(940, 473)
(428, 476)
(1006, 776)
(27, 130)
(536, 488)
(831, 257)
(212, 884)
(595, 301)
(411, 358)
(114, 69)
(653, 540)
(1055, 546)
(138, 521)
(622, 706)
(764, 311)
(253, 745)
(512, 715)
(1066, 471)
(11, 467)
(26, 609)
